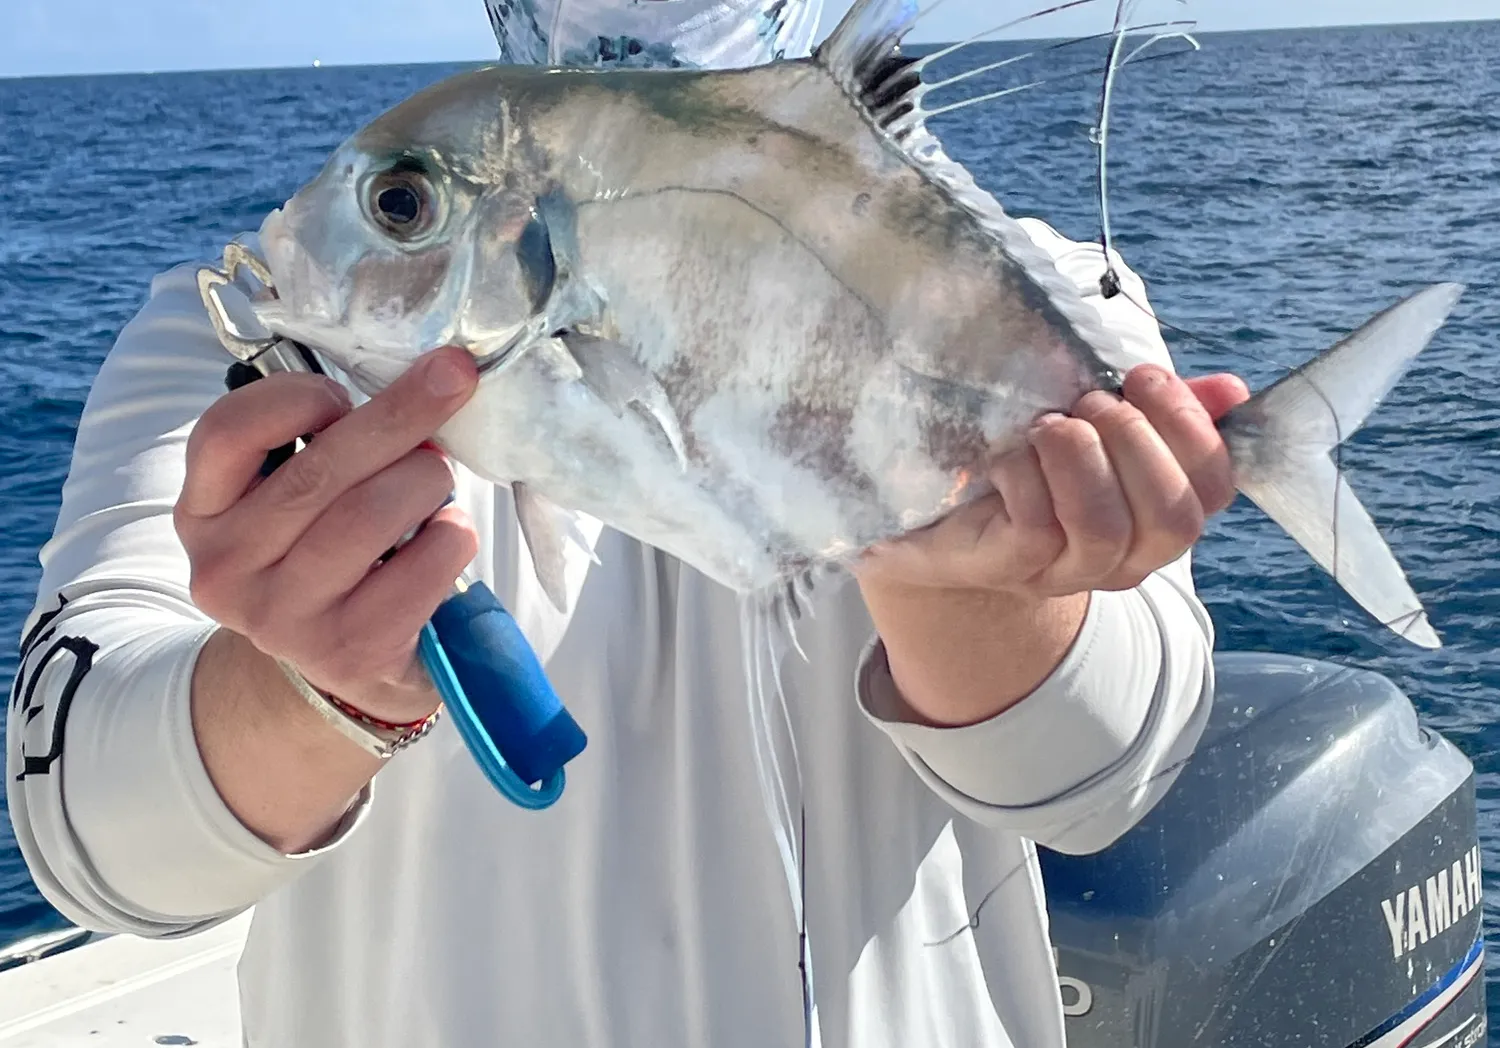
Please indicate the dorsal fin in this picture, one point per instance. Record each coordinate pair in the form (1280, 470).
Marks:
(870, 34)
(864, 57)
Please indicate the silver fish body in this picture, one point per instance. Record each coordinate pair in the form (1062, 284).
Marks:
(753, 318)
(838, 344)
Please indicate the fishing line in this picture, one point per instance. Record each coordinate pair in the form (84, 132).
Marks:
(1338, 447)
(804, 965)
(1111, 287)
(759, 622)
(1144, 777)
(1109, 284)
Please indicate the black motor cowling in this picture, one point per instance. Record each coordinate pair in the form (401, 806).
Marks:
(1312, 879)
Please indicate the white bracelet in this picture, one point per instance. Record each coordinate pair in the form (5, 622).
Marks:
(378, 740)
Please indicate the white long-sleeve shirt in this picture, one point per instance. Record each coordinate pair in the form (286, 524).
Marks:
(649, 907)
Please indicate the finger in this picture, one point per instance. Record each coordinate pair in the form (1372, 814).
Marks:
(1019, 479)
(1219, 394)
(1188, 429)
(357, 447)
(1086, 496)
(229, 443)
(390, 607)
(1166, 515)
(342, 546)
(1032, 538)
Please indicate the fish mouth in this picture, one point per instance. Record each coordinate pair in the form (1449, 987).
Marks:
(374, 363)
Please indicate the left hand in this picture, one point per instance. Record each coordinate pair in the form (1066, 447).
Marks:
(1097, 500)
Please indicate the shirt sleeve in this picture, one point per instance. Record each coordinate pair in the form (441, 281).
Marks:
(113, 809)
(1082, 759)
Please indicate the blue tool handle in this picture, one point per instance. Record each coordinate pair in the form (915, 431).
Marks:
(491, 682)
(499, 696)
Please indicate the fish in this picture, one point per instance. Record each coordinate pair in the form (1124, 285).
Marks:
(757, 318)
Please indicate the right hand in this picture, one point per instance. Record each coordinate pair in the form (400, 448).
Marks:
(289, 562)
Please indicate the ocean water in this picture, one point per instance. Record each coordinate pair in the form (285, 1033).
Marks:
(1275, 189)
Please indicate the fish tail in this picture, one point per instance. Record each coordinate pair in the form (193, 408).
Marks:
(1280, 443)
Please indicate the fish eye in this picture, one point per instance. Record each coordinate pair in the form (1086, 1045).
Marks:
(402, 202)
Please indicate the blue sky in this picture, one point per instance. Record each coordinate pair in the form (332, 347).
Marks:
(91, 36)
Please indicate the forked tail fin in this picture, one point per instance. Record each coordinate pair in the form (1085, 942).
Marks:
(1280, 443)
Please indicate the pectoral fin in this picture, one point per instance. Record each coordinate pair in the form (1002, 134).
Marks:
(613, 374)
(547, 529)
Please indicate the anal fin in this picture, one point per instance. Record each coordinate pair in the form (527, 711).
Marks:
(547, 529)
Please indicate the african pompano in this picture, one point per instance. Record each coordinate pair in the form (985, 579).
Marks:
(755, 318)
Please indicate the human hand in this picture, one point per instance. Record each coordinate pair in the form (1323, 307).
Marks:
(289, 561)
(1097, 500)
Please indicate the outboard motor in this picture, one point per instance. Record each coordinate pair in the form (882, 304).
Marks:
(1312, 880)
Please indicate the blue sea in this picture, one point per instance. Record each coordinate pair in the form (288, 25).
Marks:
(1275, 189)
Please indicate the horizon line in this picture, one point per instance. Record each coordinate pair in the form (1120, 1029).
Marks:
(315, 64)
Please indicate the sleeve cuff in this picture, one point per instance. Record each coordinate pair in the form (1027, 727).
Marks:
(1085, 756)
(148, 819)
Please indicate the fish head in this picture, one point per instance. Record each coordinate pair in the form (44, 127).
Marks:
(395, 249)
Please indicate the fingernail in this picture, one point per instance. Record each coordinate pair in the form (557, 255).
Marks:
(435, 448)
(340, 392)
(446, 377)
(1048, 420)
(1097, 401)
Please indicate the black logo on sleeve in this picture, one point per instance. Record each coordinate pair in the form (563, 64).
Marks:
(39, 650)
